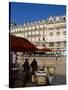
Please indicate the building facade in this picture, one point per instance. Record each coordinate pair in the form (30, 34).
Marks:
(50, 32)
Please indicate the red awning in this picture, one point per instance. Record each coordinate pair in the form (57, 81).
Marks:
(19, 44)
(41, 48)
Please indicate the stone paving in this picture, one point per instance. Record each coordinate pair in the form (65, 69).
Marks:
(60, 77)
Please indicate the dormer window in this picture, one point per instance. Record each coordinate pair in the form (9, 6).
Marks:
(57, 18)
(50, 19)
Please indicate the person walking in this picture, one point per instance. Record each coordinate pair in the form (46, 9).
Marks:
(34, 65)
(56, 57)
(26, 65)
(26, 73)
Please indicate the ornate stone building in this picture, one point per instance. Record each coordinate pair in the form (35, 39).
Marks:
(50, 32)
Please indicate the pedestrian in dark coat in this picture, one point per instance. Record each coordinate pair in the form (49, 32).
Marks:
(26, 65)
(26, 73)
(34, 65)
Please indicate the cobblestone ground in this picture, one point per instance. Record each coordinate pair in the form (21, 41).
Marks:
(60, 64)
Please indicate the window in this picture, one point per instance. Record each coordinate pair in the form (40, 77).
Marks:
(57, 33)
(64, 18)
(26, 34)
(33, 33)
(29, 28)
(26, 28)
(38, 39)
(43, 39)
(57, 28)
(41, 26)
(16, 30)
(51, 34)
(33, 39)
(64, 32)
(45, 33)
(58, 44)
(64, 43)
(29, 33)
(37, 32)
(50, 19)
(44, 45)
(41, 32)
(33, 27)
(22, 29)
(37, 27)
(50, 28)
(45, 26)
(51, 44)
(29, 39)
(57, 18)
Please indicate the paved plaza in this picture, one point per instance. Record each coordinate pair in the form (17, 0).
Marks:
(60, 65)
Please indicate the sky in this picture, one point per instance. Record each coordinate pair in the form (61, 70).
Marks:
(21, 13)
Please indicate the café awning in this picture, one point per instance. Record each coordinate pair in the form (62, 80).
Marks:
(19, 44)
(44, 49)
